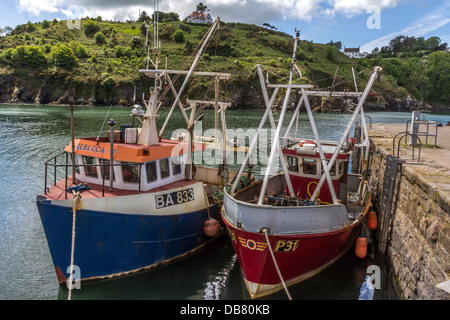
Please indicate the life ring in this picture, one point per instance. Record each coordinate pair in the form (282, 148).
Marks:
(307, 142)
(307, 189)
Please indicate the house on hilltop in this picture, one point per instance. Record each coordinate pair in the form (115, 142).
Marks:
(199, 17)
(354, 53)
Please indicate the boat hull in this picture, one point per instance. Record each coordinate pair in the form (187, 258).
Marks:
(112, 243)
(298, 257)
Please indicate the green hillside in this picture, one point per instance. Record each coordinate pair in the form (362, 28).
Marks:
(40, 62)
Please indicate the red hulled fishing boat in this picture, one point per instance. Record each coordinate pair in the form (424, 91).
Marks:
(293, 224)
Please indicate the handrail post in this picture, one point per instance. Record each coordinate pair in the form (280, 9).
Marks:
(45, 179)
(111, 154)
(66, 173)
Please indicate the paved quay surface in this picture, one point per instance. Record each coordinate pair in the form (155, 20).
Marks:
(434, 167)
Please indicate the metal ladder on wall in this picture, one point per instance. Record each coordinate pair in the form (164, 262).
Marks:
(387, 197)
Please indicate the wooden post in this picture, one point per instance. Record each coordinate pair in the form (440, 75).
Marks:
(72, 131)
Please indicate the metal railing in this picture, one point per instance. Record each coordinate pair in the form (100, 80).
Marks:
(424, 133)
(405, 135)
(53, 163)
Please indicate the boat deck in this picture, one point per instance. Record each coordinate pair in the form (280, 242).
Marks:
(57, 192)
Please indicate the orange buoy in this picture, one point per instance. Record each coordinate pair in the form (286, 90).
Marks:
(361, 247)
(211, 227)
(372, 220)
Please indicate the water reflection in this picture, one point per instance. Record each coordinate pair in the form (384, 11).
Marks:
(30, 135)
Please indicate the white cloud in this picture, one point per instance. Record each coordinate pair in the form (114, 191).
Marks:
(35, 7)
(250, 11)
(350, 8)
(421, 27)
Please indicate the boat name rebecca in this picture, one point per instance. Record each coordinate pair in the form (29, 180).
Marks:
(93, 148)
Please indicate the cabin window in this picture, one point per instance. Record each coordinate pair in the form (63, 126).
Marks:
(164, 168)
(130, 172)
(309, 166)
(150, 167)
(105, 169)
(89, 169)
(176, 165)
(292, 163)
(332, 170)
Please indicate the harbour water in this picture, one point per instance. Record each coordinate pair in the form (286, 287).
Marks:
(30, 135)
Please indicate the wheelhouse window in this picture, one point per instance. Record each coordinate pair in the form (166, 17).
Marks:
(89, 169)
(105, 169)
(309, 166)
(150, 167)
(292, 163)
(332, 170)
(176, 165)
(130, 172)
(164, 168)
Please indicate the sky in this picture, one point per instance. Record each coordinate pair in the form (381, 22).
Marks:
(355, 23)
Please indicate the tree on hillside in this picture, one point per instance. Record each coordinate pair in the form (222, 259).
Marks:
(144, 17)
(100, 38)
(90, 28)
(336, 44)
(202, 8)
(166, 17)
(63, 56)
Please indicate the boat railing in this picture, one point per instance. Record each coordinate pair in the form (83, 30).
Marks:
(55, 166)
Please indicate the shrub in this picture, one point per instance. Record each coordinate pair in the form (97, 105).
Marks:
(136, 42)
(81, 52)
(29, 56)
(178, 36)
(100, 38)
(63, 56)
(329, 52)
(30, 27)
(90, 28)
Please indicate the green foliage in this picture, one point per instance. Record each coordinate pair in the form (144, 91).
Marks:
(167, 17)
(402, 44)
(81, 52)
(100, 38)
(136, 42)
(28, 56)
(90, 28)
(144, 17)
(45, 24)
(63, 56)
(178, 36)
(330, 52)
(30, 27)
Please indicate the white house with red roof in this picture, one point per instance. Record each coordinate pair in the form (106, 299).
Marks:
(199, 17)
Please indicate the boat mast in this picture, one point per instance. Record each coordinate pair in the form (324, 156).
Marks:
(149, 134)
(276, 146)
(347, 130)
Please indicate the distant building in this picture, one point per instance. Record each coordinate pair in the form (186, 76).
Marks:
(198, 17)
(354, 53)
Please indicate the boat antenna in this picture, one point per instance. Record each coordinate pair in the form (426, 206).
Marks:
(156, 42)
(104, 121)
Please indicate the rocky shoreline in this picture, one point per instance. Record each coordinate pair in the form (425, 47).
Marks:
(243, 98)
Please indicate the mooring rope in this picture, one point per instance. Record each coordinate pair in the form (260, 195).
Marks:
(276, 265)
(76, 198)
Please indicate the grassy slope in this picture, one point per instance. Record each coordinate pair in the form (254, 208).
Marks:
(236, 48)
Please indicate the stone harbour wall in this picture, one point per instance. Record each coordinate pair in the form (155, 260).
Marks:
(418, 243)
